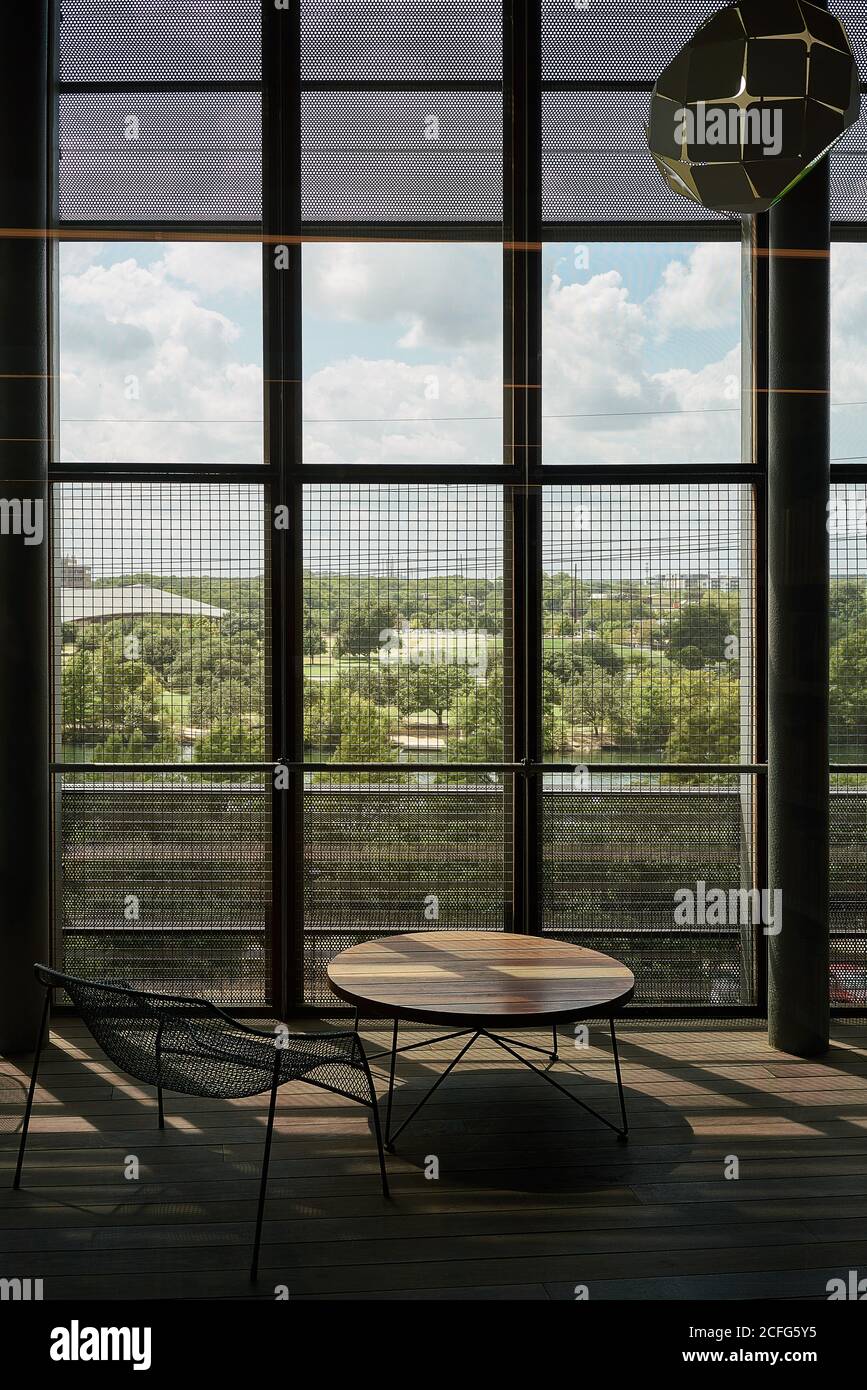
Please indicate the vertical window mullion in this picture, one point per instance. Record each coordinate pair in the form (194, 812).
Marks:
(522, 223)
(281, 264)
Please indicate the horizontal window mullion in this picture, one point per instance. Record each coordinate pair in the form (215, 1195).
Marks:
(138, 88)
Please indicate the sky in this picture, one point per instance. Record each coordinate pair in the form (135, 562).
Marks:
(161, 361)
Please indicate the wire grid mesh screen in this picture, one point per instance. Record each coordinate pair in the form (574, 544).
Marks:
(164, 881)
(648, 638)
(847, 524)
(416, 41)
(596, 164)
(849, 890)
(398, 852)
(404, 663)
(159, 606)
(402, 155)
(403, 613)
(160, 41)
(163, 156)
(653, 868)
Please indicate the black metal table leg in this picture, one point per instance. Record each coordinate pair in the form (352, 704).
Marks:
(546, 1076)
(439, 1081)
(624, 1133)
(508, 1045)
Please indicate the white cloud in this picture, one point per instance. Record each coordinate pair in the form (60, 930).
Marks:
(374, 402)
(215, 267)
(700, 293)
(437, 294)
(604, 402)
(151, 374)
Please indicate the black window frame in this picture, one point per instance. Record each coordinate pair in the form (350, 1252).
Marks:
(522, 474)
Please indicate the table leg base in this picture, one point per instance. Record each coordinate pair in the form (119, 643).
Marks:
(508, 1045)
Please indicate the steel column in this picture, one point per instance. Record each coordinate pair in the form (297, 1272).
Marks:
(24, 542)
(798, 623)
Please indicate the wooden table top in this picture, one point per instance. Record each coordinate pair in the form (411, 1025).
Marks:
(477, 977)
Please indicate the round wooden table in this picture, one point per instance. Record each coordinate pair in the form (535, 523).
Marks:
(481, 981)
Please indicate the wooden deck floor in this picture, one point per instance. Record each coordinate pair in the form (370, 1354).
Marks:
(533, 1197)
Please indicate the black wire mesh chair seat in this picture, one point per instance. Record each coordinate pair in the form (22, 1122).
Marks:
(192, 1046)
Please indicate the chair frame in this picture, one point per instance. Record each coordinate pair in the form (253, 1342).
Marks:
(51, 979)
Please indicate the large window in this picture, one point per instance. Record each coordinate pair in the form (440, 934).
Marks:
(408, 540)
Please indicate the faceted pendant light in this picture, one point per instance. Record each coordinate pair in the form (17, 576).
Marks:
(754, 100)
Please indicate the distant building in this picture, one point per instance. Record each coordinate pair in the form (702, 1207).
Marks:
(79, 604)
(74, 575)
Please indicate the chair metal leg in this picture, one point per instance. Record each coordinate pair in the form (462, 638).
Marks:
(391, 1084)
(161, 1118)
(555, 1054)
(263, 1182)
(16, 1181)
(377, 1127)
(380, 1147)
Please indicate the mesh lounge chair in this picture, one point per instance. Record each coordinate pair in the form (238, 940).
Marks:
(192, 1046)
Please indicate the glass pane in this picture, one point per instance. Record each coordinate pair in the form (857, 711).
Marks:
(164, 881)
(403, 635)
(398, 853)
(847, 523)
(403, 354)
(641, 359)
(648, 641)
(848, 353)
(160, 353)
(653, 870)
(161, 40)
(168, 156)
(402, 156)
(160, 623)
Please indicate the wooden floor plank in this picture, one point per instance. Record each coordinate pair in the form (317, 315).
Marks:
(533, 1196)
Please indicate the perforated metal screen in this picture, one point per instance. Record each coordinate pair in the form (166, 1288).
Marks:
(376, 40)
(157, 41)
(849, 890)
(165, 881)
(617, 853)
(631, 41)
(402, 155)
(163, 156)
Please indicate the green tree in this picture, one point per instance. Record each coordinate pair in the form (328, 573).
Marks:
(230, 743)
(434, 687)
(704, 625)
(691, 658)
(706, 726)
(364, 738)
(644, 715)
(849, 686)
(360, 632)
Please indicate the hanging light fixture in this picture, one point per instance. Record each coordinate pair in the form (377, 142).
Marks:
(755, 99)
